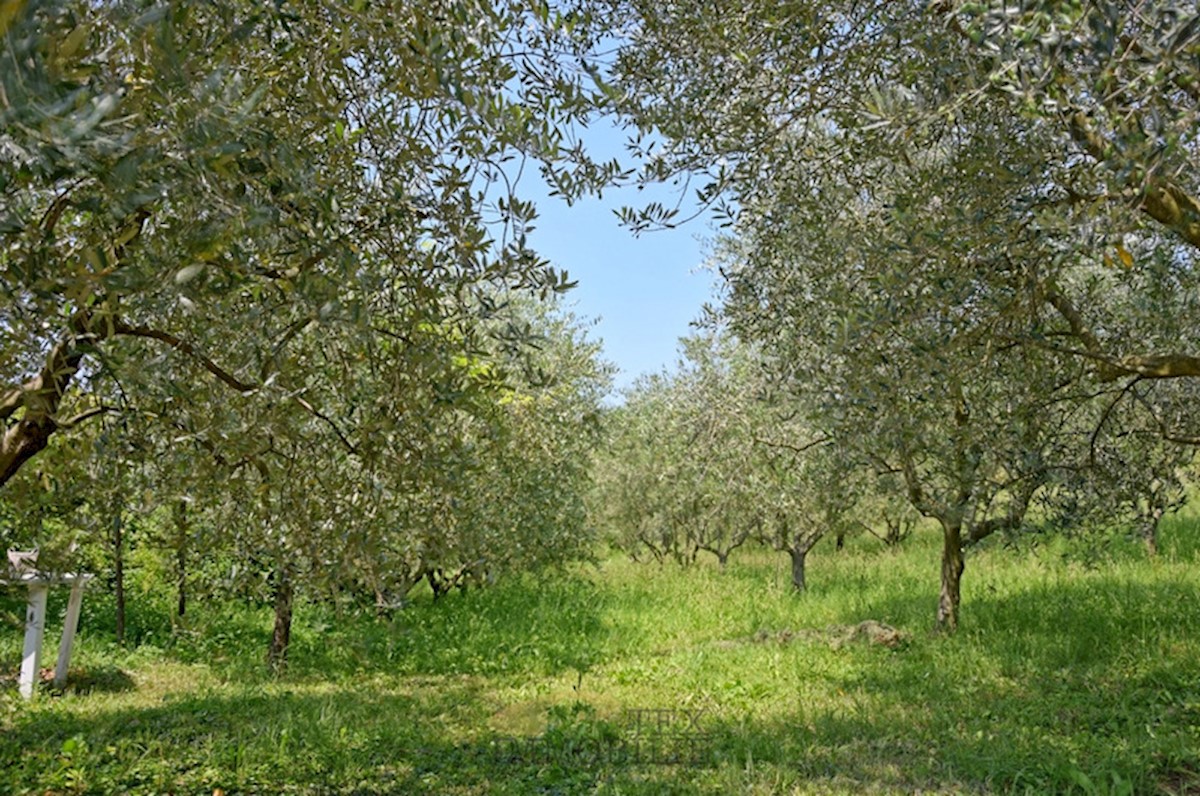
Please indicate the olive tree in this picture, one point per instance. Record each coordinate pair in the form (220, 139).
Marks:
(677, 477)
(810, 494)
(197, 196)
(634, 500)
(1084, 118)
(709, 457)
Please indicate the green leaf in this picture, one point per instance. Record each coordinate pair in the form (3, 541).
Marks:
(188, 273)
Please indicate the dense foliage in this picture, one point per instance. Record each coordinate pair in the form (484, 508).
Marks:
(963, 232)
(251, 219)
(269, 263)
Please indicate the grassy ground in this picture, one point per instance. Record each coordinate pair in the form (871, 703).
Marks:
(1070, 674)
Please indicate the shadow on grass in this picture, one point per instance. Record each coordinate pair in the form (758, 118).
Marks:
(334, 742)
(519, 627)
(993, 744)
(913, 720)
(353, 743)
(1097, 676)
(1094, 675)
(80, 680)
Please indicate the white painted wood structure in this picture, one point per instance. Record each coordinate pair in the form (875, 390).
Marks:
(39, 584)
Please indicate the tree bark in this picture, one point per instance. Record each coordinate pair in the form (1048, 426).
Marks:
(437, 583)
(118, 542)
(1150, 536)
(22, 442)
(282, 636)
(40, 398)
(181, 537)
(798, 559)
(952, 570)
(181, 580)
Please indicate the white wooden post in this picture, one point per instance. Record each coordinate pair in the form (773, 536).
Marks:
(68, 636)
(35, 625)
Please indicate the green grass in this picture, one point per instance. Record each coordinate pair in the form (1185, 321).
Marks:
(1072, 672)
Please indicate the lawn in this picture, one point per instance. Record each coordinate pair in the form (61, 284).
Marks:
(1074, 671)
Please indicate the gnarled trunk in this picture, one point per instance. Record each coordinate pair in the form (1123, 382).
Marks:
(1150, 536)
(22, 441)
(952, 570)
(40, 399)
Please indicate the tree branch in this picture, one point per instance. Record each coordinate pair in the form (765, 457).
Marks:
(1111, 368)
(41, 396)
(123, 329)
(1164, 431)
(312, 410)
(292, 332)
(57, 207)
(795, 448)
(85, 415)
(1016, 512)
(1104, 417)
(1162, 200)
(11, 401)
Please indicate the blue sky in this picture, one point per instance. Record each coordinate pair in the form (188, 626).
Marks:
(645, 290)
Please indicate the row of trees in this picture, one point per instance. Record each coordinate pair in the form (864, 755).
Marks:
(264, 271)
(709, 458)
(488, 483)
(964, 235)
(717, 454)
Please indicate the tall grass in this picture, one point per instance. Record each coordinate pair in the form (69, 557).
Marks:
(1073, 672)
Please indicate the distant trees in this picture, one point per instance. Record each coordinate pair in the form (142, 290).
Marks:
(675, 478)
(703, 460)
(634, 501)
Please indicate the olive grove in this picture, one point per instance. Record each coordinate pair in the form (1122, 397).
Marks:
(965, 231)
(265, 269)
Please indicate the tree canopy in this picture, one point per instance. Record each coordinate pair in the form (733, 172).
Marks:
(226, 214)
(964, 231)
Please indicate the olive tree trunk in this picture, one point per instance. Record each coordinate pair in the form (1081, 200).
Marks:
(1150, 532)
(799, 556)
(282, 635)
(952, 570)
(181, 543)
(118, 543)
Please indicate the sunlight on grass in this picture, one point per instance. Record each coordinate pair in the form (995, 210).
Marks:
(1069, 673)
